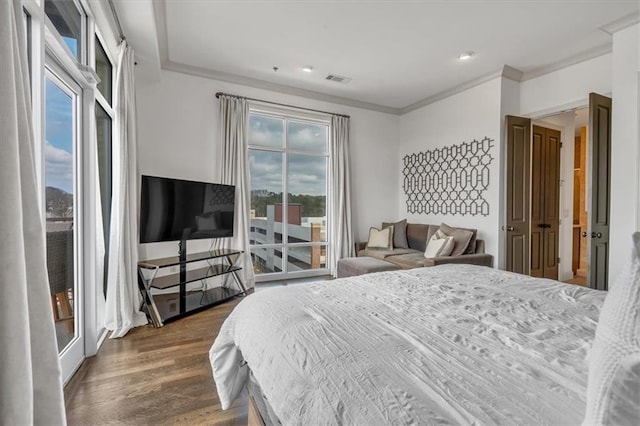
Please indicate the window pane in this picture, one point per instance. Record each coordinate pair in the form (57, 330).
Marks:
(266, 131)
(104, 69)
(266, 260)
(307, 137)
(306, 258)
(103, 127)
(265, 170)
(67, 19)
(59, 204)
(307, 187)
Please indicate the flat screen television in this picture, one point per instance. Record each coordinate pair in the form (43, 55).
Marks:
(180, 210)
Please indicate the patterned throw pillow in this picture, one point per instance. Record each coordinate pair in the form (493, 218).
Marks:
(613, 391)
(381, 238)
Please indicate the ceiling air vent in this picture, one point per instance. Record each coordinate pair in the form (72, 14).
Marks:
(338, 78)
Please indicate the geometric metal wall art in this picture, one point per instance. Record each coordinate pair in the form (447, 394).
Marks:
(449, 180)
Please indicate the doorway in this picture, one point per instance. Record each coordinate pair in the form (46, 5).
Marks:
(579, 242)
(532, 242)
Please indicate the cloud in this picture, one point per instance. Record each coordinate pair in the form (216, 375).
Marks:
(266, 131)
(308, 137)
(58, 167)
(307, 174)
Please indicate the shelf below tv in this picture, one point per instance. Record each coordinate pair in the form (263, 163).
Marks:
(171, 306)
(197, 301)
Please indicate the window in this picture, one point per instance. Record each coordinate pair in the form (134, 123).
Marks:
(104, 69)
(67, 19)
(288, 160)
(104, 127)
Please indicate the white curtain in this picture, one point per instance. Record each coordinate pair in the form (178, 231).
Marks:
(122, 311)
(30, 375)
(99, 241)
(342, 241)
(233, 169)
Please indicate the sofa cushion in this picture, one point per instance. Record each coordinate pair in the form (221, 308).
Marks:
(381, 238)
(417, 236)
(399, 233)
(461, 236)
(383, 253)
(411, 260)
(352, 266)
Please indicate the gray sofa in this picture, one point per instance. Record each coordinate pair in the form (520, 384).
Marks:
(413, 257)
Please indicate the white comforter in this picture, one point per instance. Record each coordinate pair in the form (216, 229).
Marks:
(453, 344)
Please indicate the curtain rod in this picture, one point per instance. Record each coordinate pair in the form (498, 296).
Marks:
(115, 17)
(279, 104)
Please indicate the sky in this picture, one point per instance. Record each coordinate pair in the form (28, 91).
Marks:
(307, 173)
(59, 138)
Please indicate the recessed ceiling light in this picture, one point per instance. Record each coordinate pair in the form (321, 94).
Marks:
(307, 68)
(466, 55)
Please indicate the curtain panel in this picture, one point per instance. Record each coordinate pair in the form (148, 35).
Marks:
(233, 169)
(30, 374)
(342, 240)
(122, 310)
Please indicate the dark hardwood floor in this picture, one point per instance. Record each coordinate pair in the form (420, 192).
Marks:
(154, 376)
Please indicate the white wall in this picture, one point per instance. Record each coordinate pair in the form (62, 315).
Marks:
(509, 105)
(566, 88)
(178, 137)
(463, 117)
(625, 149)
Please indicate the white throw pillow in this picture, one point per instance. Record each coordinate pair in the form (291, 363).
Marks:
(439, 247)
(613, 391)
(380, 238)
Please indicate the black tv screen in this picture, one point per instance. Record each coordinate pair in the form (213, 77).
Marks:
(173, 210)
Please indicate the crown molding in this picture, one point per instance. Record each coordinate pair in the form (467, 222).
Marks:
(596, 52)
(275, 87)
(160, 12)
(622, 23)
(454, 90)
(512, 73)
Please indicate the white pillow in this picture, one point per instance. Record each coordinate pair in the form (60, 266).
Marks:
(381, 238)
(439, 247)
(613, 391)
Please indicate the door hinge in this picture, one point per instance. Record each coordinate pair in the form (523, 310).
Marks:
(560, 144)
(558, 260)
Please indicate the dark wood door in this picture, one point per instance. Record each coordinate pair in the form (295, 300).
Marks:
(517, 215)
(545, 199)
(600, 177)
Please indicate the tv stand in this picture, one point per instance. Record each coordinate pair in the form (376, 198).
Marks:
(163, 308)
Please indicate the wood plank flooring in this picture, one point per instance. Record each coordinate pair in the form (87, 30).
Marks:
(154, 376)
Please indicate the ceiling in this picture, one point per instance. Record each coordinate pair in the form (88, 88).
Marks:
(397, 53)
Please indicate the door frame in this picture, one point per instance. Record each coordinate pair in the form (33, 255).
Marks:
(533, 116)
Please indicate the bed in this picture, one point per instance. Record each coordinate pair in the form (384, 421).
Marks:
(452, 344)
